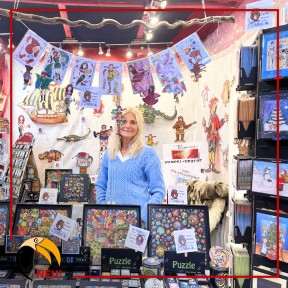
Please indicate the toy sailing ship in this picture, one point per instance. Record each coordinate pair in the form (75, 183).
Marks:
(46, 106)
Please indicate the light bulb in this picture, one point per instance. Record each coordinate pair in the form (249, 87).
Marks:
(100, 50)
(108, 52)
(80, 51)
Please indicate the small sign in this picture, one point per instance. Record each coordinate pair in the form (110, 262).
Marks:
(185, 240)
(62, 227)
(193, 263)
(136, 238)
(48, 196)
(120, 258)
(177, 194)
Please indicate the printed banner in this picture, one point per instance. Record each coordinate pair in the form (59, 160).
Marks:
(193, 53)
(57, 64)
(110, 77)
(168, 72)
(259, 19)
(30, 49)
(91, 97)
(82, 72)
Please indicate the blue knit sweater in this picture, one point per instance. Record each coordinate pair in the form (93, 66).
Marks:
(136, 181)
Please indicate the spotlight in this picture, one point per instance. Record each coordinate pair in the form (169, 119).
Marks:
(149, 35)
(129, 53)
(100, 50)
(80, 51)
(149, 53)
(108, 52)
(8, 46)
(153, 20)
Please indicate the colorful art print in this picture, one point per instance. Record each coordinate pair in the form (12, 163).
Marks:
(140, 75)
(269, 55)
(264, 177)
(54, 284)
(4, 220)
(53, 177)
(30, 49)
(72, 246)
(266, 235)
(13, 243)
(36, 186)
(268, 115)
(163, 220)
(82, 72)
(90, 97)
(74, 187)
(106, 226)
(192, 52)
(57, 64)
(11, 283)
(100, 284)
(48, 196)
(263, 282)
(110, 77)
(36, 219)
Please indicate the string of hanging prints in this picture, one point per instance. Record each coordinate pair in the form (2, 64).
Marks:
(190, 49)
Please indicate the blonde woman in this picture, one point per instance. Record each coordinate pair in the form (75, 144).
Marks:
(130, 173)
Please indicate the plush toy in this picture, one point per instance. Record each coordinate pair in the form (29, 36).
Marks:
(214, 194)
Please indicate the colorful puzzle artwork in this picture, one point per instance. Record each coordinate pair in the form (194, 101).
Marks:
(53, 177)
(4, 218)
(106, 227)
(266, 236)
(74, 187)
(33, 221)
(163, 220)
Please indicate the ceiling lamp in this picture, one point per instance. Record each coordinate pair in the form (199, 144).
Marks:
(108, 52)
(100, 50)
(129, 53)
(149, 53)
(80, 51)
(153, 20)
(149, 35)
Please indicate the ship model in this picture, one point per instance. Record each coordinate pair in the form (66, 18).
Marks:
(46, 106)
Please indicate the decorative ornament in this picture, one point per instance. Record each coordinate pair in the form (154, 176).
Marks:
(68, 98)
(149, 113)
(150, 141)
(225, 154)
(103, 135)
(117, 115)
(83, 159)
(180, 127)
(50, 155)
(74, 138)
(27, 76)
(99, 110)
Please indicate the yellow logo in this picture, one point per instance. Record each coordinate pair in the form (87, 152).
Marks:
(43, 246)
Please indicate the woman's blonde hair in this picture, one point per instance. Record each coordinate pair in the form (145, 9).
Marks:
(136, 143)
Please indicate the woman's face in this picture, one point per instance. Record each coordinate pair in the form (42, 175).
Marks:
(129, 126)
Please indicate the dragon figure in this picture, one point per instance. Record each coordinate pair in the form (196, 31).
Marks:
(149, 113)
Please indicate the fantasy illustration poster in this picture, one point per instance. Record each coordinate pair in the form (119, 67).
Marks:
(268, 116)
(110, 77)
(168, 72)
(163, 220)
(91, 97)
(193, 53)
(266, 235)
(107, 227)
(82, 72)
(30, 49)
(142, 81)
(57, 64)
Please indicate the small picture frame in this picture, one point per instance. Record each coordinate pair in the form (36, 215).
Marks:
(54, 284)
(74, 188)
(53, 177)
(13, 243)
(268, 115)
(72, 246)
(36, 186)
(261, 282)
(107, 226)
(269, 67)
(164, 219)
(8, 283)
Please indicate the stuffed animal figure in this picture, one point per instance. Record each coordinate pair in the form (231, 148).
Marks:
(214, 194)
